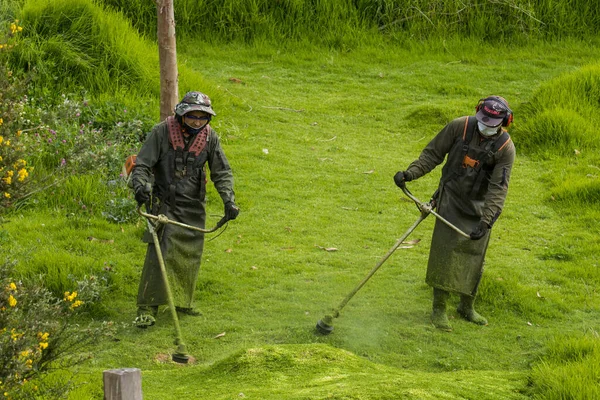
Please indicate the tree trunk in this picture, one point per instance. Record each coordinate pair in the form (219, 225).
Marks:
(167, 55)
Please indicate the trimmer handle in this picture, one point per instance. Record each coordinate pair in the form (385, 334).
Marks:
(427, 208)
(162, 219)
(222, 222)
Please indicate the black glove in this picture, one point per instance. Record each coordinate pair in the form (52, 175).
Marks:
(231, 210)
(480, 231)
(142, 194)
(402, 177)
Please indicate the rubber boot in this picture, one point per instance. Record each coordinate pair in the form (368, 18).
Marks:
(438, 315)
(465, 309)
(188, 311)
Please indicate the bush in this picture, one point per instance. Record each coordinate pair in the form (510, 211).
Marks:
(49, 137)
(14, 167)
(40, 332)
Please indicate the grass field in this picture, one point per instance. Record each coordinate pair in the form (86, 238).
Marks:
(314, 137)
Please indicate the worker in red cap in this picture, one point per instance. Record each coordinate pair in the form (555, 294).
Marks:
(470, 195)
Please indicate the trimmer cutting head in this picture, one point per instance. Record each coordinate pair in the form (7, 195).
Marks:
(180, 356)
(324, 326)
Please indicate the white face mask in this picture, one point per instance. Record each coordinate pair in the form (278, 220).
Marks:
(487, 131)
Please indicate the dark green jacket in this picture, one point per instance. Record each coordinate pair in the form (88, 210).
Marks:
(463, 198)
(181, 199)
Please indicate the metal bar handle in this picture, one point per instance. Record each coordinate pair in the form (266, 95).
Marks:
(161, 218)
(428, 209)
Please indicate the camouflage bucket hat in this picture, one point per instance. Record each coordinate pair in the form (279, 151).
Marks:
(193, 101)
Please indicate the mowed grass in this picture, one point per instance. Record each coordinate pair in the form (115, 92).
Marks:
(314, 141)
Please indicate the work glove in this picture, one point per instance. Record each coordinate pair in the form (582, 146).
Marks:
(231, 210)
(402, 177)
(480, 231)
(142, 194)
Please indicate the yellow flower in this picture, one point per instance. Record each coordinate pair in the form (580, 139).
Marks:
(19, 133)
(14, 28)
(1, 139)
(43, 336)
(70, 296)
(0, 158)
(12, 301)
(43, 345)
(76, 304)
(7, 195)
(25, 353)
(14, 335)
(22, 174)
(7, 143)
(1, 121)
(12, 286)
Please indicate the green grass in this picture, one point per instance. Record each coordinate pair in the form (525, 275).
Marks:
(337, 126)
(314, 135)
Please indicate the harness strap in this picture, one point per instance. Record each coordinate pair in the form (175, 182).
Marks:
(176, 137)
(498, 144)
(183, 161)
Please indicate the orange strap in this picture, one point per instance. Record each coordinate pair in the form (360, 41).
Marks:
(129, 164)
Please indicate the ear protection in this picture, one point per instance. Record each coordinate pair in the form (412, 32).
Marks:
(508, 118)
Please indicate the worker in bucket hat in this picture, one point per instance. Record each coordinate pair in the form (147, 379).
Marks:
(470, 195)
(169, 176)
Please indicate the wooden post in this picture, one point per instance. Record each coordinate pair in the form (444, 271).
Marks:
(167, 55)
(123, 384)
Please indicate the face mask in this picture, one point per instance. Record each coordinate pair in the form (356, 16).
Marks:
(487, 131)
(193, 131)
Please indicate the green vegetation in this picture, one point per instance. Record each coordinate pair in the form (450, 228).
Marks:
(319, 103)
(345, 23)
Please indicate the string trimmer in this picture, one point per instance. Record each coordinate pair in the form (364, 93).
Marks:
(180, 355)
(325, 324)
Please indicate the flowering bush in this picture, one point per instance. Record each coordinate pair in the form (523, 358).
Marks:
(14, 168)
(46, 137)
(38, 332)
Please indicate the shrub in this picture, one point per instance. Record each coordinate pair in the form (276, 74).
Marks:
(14, 167)
(40, 332)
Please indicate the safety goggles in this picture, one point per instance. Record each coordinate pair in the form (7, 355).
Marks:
(196, 118)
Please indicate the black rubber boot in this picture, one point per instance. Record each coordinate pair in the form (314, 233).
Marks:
(466, 310)
(188, 311)
(438, 315)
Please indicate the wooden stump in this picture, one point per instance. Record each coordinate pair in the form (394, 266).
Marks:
(123, 384)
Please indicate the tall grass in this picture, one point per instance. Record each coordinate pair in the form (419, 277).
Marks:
(79, 40)
(341, 22)
(562, 115)
(75, 44)
(560, 121)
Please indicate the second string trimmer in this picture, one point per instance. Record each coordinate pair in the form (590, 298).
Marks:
(325, 324)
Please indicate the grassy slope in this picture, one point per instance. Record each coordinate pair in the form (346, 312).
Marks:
(326, 181)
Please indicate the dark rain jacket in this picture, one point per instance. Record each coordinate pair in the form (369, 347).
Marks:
(181, 197)
(466, 195)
